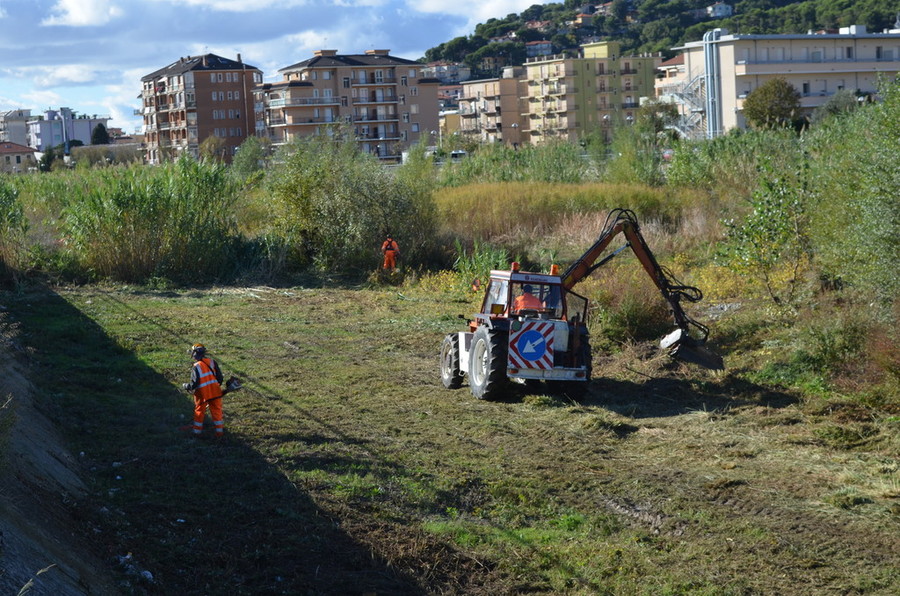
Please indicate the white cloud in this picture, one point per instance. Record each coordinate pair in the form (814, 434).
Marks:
(476, 11)
(82, 13)
(42, 98)
(55, 76)
(239, 5)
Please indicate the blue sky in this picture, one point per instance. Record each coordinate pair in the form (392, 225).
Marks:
(90, 55)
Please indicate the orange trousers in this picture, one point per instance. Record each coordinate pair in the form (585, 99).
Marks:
(215, 412)
(390, 259)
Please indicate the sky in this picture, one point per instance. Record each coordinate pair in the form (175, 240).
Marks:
(90, 55)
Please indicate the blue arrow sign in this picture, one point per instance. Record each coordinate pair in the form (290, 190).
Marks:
(531, 345)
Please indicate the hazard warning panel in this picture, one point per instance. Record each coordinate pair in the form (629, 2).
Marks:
(532, 345)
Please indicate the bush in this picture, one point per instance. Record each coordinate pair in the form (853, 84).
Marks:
(853, 207)
(335, 204)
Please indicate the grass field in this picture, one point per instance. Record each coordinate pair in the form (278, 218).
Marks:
(349, 469)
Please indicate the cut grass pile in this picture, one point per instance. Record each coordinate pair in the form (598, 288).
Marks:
(348, 468)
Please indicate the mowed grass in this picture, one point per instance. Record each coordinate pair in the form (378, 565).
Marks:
(348, 468)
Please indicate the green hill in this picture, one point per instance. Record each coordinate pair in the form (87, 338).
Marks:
(649, 25)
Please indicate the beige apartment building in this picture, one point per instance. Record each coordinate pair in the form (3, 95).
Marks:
(490, 110)
(567, 98)
(719, 72)
(385, 99)
(195, 98)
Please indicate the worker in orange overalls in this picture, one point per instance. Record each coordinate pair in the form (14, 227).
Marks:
(206, 383)
(391, 251)
(527, 299)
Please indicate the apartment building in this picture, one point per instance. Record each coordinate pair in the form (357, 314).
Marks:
(490, 110)
(13, 126)
(385, 99)
(567, 98)
(60, 127)
(720, 71)
(195, 98)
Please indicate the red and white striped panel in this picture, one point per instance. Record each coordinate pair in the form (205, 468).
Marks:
(532, 346)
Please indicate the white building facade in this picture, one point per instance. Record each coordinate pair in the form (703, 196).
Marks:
(723, 69)
(61, 127)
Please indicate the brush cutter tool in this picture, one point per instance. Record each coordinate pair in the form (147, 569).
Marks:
(232, 384)
(684, 347)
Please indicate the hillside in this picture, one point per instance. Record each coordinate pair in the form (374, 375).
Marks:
(648, 25)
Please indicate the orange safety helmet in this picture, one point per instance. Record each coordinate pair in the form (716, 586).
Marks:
(198, 351)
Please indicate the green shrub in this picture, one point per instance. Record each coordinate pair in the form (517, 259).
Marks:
(335, 204)
(771, 243)
(853, 207)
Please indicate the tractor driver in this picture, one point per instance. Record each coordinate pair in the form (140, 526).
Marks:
(527, 299)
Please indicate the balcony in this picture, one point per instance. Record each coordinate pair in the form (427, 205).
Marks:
(374, 81)
(369, 100)
(304, 101)
(807, 66)
(375, 118)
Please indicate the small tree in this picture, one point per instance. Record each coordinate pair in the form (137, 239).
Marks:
(842, 102)
(212, 149)
(774, 104)
(100, 136)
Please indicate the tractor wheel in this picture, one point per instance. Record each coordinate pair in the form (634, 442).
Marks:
(487, 364)
(451, 375)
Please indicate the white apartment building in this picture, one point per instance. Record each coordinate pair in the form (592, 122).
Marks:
(14, 127)
(61, 127)
(720, 71)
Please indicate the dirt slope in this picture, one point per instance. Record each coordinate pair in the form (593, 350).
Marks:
(41, 542)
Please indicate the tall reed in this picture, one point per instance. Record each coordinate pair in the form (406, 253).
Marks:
(174, 221)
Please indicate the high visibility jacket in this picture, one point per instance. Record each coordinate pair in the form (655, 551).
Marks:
(390, 245)
(527, 301)
(206, 378)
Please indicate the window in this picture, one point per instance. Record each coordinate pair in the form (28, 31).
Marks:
(806, 88)
(414, 108)
(346, 82)
(230, 95)
(849, 53)
(237, 94)
(227, 77)
(18, 159)
(344, 101)
(403, 81)
(326, 75)
(231, 114)
(215, 96)
(413, 91)
(221, 96)
(406, 116)
(412, 73)
(237, 113)
(219, 77)
(415, 127)
(212, 77)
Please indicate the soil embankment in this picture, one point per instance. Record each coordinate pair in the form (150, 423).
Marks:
(42, 544)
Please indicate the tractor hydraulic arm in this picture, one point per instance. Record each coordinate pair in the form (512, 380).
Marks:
(623, 221)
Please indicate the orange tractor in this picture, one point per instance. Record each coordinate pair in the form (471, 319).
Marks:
(532, 326)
